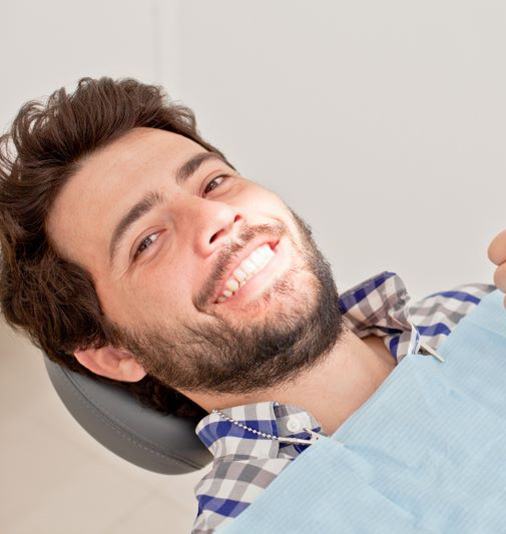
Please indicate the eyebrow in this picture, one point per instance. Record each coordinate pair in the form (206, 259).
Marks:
(152, 199)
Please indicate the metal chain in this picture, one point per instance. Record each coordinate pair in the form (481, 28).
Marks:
(314, 435)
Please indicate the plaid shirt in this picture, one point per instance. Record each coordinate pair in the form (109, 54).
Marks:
(245, 463)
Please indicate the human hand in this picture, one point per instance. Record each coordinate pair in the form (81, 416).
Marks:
(497, 255)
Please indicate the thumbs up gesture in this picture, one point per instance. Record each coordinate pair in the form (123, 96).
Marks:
(497, 255)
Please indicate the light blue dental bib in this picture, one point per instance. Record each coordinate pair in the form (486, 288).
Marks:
(425, 453)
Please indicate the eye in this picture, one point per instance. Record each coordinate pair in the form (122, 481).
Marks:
(145, 243)
(148, 241)
(224, 176)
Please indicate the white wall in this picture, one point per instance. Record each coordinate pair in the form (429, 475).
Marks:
(53, 43)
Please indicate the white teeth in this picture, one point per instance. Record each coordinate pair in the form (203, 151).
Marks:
(232, 284)
(257, 256)
(249, 266)
(255, 262)
(240, 274)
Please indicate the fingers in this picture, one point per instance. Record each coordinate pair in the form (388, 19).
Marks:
(497, 254)
(500, 277)
(497, 249)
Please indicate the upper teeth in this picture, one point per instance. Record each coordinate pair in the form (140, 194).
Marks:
(255, 262)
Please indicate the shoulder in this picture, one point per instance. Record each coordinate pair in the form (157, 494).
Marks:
(434, 315)
(437, 314)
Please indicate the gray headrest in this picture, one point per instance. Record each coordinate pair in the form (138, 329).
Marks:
(157, 442)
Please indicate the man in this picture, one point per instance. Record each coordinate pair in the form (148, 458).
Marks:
(133, 250)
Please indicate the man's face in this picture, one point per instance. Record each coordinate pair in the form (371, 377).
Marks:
(161, 286)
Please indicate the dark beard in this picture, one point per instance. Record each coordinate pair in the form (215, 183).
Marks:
(217, 357)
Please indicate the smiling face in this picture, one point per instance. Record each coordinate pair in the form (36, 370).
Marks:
(165, 227)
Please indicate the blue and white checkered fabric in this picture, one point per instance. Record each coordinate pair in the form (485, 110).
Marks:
(245, 464)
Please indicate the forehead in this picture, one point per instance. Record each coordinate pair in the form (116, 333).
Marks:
(109, 181)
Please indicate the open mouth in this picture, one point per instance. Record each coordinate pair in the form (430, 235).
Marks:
(251, 275)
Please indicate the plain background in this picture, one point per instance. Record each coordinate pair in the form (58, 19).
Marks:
(383, 124)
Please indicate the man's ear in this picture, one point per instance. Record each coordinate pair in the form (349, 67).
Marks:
(111, 362)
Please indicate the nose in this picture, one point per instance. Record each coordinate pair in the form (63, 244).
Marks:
(214, 224)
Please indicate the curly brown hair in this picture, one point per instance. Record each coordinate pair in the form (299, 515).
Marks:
(51, 300)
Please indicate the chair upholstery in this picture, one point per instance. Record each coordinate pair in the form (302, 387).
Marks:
(152, 440)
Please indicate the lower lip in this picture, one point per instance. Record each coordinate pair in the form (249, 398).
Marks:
(263, 279)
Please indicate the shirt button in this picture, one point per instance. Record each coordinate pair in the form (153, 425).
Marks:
(293, 424)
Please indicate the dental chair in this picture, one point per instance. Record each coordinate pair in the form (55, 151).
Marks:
(161, 443)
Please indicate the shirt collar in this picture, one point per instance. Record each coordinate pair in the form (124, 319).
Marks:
(379, 306)
(225, 438)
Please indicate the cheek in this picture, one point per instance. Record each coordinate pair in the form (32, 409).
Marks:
(268, 198)
(154, 298)
(164, 293)
(263, 203)
(275, 207)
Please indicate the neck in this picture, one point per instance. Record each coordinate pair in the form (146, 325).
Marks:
(330, 391)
